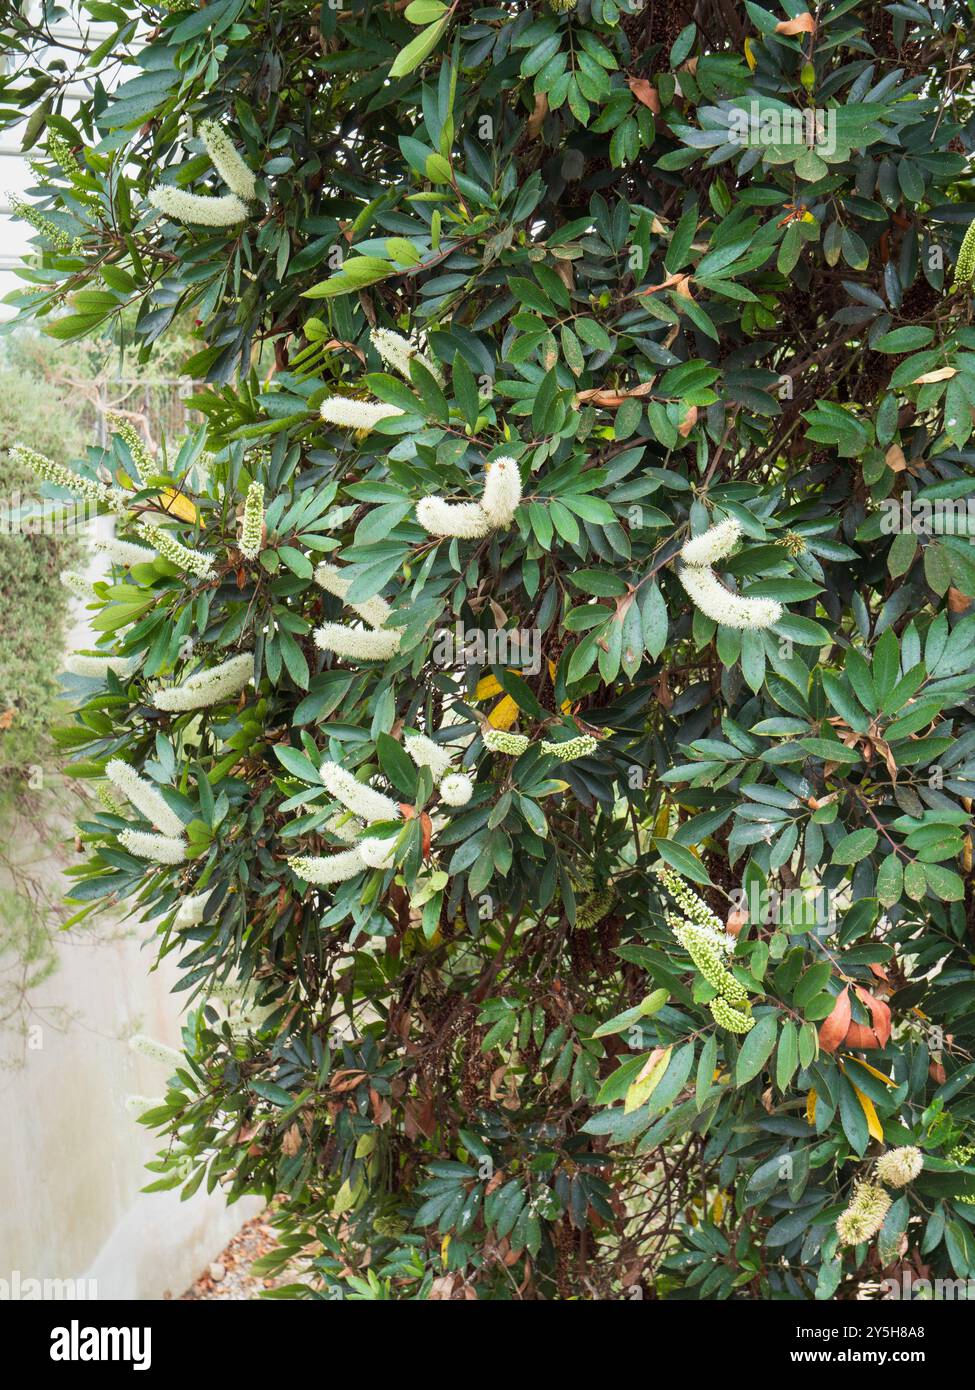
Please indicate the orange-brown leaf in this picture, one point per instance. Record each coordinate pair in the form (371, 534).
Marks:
(833, 1029)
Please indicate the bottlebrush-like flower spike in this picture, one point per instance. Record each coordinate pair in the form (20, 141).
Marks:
(197, 562)
(699, 944)
(134, 441)
(456, 789)
(344, 826)
(155, 1051)
(356, 415)
(209, 686)
(502, 492)
(190, 912)
(375, 611)
(77, 583)
(898, 1167)
(361, 799)
(56, 473)
(252, 527)
(227, 162)
(397, 351)
(864, 1216)
(594, 909)
(60, 239)
(378, 853)
(694, 908)
(98, 667)
(125, 552)
(965, 265)
(333, 868)
(500, 741)
(579, 747)
(426, 753)
(357, 644)
(722, 606)
(164, 849)
(736, 1020)
(714, 544)
(109, 800)
(193, 209)
(467, 520)
(143, 796)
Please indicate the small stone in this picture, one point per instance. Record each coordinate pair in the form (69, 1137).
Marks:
(217, 1271)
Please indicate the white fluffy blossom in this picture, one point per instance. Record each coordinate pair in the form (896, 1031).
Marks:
(77, 583)
(164, 849)
(190, 912)
(426, 753)
(714, 544)
(898, 1167)
(155, 1051)
(195, 209)
(143, 797)
(396, 351)
(56, 473)
(197, 562)
(252, 526)
(502, 491)
(227, 162)
(356, 415)
(468, 520)
(125, 552)
(210, 686)
(332, 868)
(358, 644)
(456, 789)
(344, 826)
(362, 800)
(722, 606)
(378, 853)
(98, 667)
(375, 611)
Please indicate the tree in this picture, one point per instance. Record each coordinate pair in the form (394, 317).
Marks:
(541, 726)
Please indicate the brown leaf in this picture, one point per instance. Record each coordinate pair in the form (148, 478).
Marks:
(538, 115)
(688, 422)
(7, 718)
(937, 1073)
(940, 374)
(833, 1029)
(646, 92)
(346, 1080)
(879, 1016)
(957, 603)
(680, 284)
(291, 1142)
(736, 920)
(895, 459)
(803, 24)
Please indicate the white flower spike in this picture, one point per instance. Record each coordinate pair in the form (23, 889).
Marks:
(144, 797)
(722, 606)
(227, 162)
(210, 686)
(471, 520)
(357, 644)
(333, 868)
(362, 800)
(163, 849)
(125, 552)
(717, 542)
(193, 209)
(355, 415)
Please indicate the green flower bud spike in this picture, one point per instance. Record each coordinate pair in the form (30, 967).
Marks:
(965, 265)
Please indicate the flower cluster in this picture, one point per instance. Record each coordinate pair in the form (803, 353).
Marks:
(397, 352)
(125, 552)
(963, 1154)
(143, 796)
(197, 562)
(252, 526)
(864, 1216)
(227, 162)
(594, 909)
(898, 1167)
(579, 747)
(155, 1051)
(97, 667)
(361, 799)
(353, 414)
(693, 906)
(728, 1016)
(701, 934)
(326, 869)
(500, 741)
(356, 644)
(706, 590)
(60, 239)
(190, 911)
(163, 849)
(77, 583)
(210, 686)
(456, 788)
(60, 476)
(134, 441)
(194, 209)
(471, 520)
(965, 265)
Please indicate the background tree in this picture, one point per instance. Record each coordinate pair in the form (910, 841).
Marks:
(616, 330)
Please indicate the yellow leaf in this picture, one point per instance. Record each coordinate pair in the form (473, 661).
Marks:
(486, 687)
(717, 1207)
(646, 1083)
(178, 505)
(874, 1126)
(750, 58)
(504, 714)
(872, 1070)
(346, 1197)
(444, 1247)
(811, 1107)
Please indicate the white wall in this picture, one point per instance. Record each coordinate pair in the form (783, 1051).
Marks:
(72, 1159)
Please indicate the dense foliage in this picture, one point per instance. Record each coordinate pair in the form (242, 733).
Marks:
(687, 266)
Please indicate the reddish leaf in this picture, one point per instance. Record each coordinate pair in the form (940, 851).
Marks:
(833, 1029)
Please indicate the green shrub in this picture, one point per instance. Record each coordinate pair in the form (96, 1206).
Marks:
(637, 1000)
